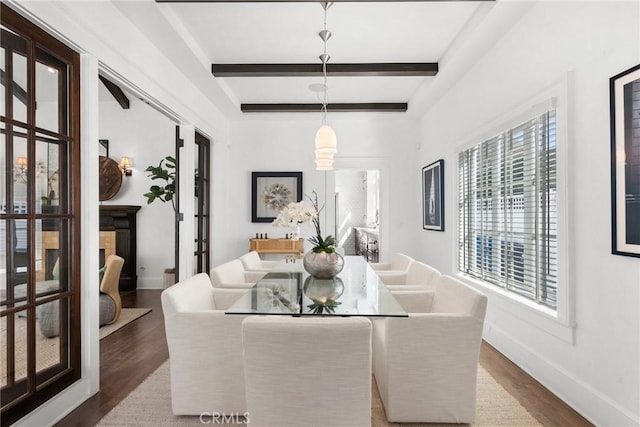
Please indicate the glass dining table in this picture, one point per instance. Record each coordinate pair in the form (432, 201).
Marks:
(289, 290)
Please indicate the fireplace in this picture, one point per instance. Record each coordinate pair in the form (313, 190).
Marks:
(118, 232)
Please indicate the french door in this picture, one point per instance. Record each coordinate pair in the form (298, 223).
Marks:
(202, 205)
(39, 216)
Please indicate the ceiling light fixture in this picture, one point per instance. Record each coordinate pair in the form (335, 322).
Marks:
(326, 141)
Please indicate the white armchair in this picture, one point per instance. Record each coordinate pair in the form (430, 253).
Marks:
(309, 371)
(233, 275)
(252, 262)
(417, 274)
(397, 262)
(205, 348)
(426, 365)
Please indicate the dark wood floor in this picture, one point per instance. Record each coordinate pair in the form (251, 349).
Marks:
(548, 409)
(129, 355)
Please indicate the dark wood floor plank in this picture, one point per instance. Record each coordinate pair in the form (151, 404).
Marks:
(131, 354)
(546, 407)
(127, 358)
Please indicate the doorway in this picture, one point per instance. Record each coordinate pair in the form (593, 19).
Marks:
(202, 246)
(357, 205)
(132, 128)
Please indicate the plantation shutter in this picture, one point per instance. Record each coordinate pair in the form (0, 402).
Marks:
(507, 210)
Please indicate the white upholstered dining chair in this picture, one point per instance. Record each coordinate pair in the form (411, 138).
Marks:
(307, 371)
(205, 348)
(426, 365)
(252, 262)
(398, 262)
(417, 274)
(232, 274)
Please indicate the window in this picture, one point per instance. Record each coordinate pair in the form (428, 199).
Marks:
(507, 210)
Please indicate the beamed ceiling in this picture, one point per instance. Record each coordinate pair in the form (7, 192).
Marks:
(264, 55)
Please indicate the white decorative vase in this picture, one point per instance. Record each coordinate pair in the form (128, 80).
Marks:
(295, 234)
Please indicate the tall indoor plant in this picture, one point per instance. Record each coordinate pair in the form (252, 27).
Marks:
(165, 171)
(165, 191)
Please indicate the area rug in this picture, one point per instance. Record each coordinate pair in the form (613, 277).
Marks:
(127, 315)
(48, 349)
(150, 405)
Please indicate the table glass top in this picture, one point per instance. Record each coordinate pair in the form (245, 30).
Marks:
(289, 290)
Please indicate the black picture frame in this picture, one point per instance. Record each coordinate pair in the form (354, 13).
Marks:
(433, 196)
(624, 90)
(271, 191)
(103, 149)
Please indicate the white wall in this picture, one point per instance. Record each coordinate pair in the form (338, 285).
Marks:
(146, 137)
(583, 44)
(286, 143)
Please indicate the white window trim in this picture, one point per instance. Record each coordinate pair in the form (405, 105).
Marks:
(560, 322)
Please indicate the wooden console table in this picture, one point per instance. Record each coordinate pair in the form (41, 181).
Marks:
(277, 246)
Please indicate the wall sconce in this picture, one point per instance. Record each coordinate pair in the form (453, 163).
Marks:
(127, 166)
(21, 162)
(20, 169)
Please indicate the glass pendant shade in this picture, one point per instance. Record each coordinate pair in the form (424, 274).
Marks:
(326, 143)
(326, 138)
(324, 164)
(325, 153)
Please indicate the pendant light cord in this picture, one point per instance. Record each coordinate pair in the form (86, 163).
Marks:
(324, 71)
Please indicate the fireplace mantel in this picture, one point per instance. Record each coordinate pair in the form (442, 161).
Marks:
(122, 220)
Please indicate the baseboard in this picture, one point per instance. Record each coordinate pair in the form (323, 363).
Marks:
(58, 406)
(149, 283)
(589, 402)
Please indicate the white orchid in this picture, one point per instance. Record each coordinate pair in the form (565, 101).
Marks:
(294, 214)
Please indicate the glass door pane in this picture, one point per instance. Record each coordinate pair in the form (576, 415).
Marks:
(202, 189)
(39, 208)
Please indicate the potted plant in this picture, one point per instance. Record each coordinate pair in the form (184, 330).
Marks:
(322, 261)
(165, 171)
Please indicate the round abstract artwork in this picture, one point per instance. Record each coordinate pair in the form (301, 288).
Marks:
(277, 196)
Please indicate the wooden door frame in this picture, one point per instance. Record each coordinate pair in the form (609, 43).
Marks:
(36, 37)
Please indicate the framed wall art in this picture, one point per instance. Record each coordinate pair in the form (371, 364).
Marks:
(433, 196)
(625, 162)
(272, 191)
(103, 148)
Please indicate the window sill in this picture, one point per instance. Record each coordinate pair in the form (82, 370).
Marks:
(538, 316)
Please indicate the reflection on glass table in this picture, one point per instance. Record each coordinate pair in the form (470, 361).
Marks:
(289, 290)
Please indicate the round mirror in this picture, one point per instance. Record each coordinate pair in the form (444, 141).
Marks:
(110, 178)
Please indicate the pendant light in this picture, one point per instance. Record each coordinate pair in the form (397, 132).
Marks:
(326, 141)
